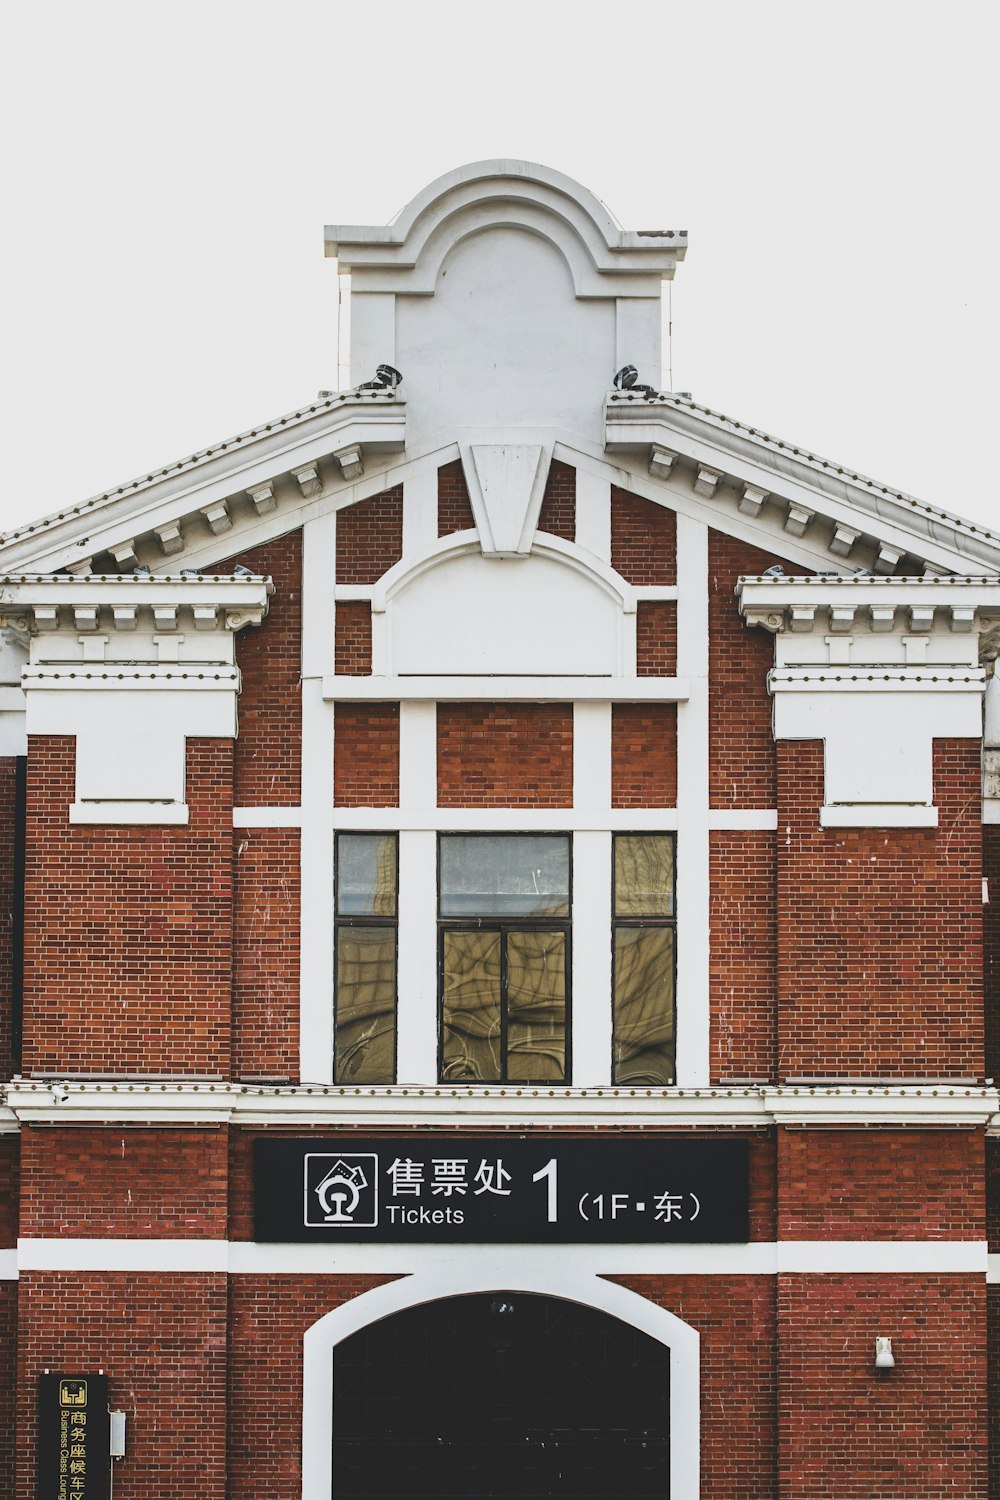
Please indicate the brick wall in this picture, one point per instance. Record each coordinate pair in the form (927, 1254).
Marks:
(8, 1384)
(128, 940)
(848, 1431)
(7, 895)
(124, 1182)
(643, 539)
(268, 752)
(656, 638)
(991, 948)
(879, 930)
(161, 1339)
(454, 505)
(370, 537)
(352, 651)
(881, 1185)
(366, 755)
(643, 755)
(266, 899)
(558, 513)
(741, 752)
(743, 919)
(993, 1377)
(505, 754)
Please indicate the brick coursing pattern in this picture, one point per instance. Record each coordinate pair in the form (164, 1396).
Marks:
(125, 1182)
(366, 755)
(10, 1156)
(7, 780)
(352, 635)
(128, 932)
(370, 537)
(266, 903)
(880, 930)
(8, 1384)
(656, 638)
(643, 539)
(558, 511)
(643, 755)
(454, 505)
(880, 1185)
(268, 751)
(161, 1338)
(743, 926)
(845, 1429)
(741, 746)
(505, 754)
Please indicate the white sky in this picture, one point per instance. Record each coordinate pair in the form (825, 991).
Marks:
(168, 172)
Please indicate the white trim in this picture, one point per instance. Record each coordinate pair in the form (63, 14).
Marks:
(591, 755)
(991, 810)
(583, 820)
(878, 815)
(693, 885)
(757, 1258)
(416, 968)
(514, 1270)
(500, 689)
(931, 1106)
(319, 540)
(420, 507)
(174, 813)
(593, 514)
(590, 1025)
(417, 756)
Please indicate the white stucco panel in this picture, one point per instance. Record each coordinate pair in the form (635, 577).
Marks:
(531, 616)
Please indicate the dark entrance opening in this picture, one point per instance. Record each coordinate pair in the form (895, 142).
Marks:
(501, 1394)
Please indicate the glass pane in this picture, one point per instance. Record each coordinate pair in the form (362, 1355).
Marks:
(644, 875)
(644, 1006)
(471, 1007)
(366, 875)
(517, 875)
(365, 1014)
(536, 1007)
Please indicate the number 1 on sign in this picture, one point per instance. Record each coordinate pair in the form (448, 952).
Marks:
(549, 1172)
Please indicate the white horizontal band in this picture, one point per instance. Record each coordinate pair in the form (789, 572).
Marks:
(521, 819)
(767, 1258)
(507, 689)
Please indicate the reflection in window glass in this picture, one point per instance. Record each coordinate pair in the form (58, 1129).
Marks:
(644, 875)
(536, 1006)
(644, 1008)
(366, 875)
(518, 875)
(471, 1007)
(365, 1030)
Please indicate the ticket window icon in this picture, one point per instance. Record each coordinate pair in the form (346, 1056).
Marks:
(341, 1191)
(72, 1393)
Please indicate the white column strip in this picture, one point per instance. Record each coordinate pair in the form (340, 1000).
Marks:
(8, 1265)
(420, 507)
(692, 807)
(417, 1023)
(593, 514)
(417, 756)
(319, 539)
(763, 1258)
(591, 1002)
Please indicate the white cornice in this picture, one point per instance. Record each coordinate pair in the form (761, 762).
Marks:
(792, 490)
(935, 1106)
(92, 604)
(219, 491)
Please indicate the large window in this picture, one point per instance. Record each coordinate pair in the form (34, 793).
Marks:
(364, 1046)
(644, 964)
(504, 905)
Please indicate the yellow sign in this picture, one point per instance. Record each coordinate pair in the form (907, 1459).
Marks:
(72, 1393)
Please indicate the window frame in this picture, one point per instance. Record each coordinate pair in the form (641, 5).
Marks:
(669, 923)
(355, 920)
(503, 925)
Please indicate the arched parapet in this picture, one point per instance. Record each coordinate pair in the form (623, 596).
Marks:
(520, 1271)
(407, 255)
(554, 612)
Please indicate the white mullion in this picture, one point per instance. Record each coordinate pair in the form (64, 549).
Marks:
(416, 967)
(319, 541)
(591, 1000)
(693, 991)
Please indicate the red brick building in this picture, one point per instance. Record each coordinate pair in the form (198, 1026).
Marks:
(497, 926)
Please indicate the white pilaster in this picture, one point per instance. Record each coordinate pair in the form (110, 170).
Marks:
(590, 1029)
(692, 807)
(319, 540)
(593, 513)
(420, 507)
(417, 1027)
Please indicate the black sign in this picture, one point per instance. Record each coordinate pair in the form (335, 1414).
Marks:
(74, 1437)
(447, 1189)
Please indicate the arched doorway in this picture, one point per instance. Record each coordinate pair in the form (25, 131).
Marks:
(500, 1394)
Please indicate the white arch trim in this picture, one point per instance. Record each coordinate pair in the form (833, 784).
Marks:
(459, 1274)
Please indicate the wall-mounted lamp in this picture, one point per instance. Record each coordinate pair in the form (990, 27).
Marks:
(883, 1355)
